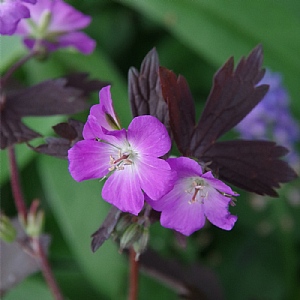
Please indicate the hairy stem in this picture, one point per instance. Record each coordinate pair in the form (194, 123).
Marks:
(134, 276)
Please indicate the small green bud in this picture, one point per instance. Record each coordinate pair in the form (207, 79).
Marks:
(131, 235)
(35, 220)
(122, 224)
(141, 244)
(8, 232)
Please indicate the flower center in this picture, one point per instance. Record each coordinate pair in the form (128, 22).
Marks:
(124, 159)
(199, 190)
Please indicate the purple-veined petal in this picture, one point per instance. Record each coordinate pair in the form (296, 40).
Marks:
(156, 177)
(122, 189)
(177, 211)
(79, 40)
(149, 136)
(90, 159)
(216, 210)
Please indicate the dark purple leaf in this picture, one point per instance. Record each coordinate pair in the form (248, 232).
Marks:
(105, 230)
(233, 95)
(70, 133)
(195, 282)
(254, 166)
(13, 130)
(52, 97)
(179, 99)
(82, 82)
(145, 90)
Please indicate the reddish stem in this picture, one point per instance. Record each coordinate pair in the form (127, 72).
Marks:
(134, 276)
(46, 269)
(16, 186)
(22, 212)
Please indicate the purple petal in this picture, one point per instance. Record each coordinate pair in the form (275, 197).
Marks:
(185, 167)
(65, 16)
(78, 40)
(149, 136)
(122, 189)
(216, 210)
(90, 159)
(30, 1)
(218, 184)
(97, 118)
(177, 212)
(182, 216)
(156, 177)
(10, 15)
(92, 129)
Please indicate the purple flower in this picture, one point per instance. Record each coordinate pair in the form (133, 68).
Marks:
(272, 119)
(11, 12)
(55, 24)
(128, 158)
(195, 196)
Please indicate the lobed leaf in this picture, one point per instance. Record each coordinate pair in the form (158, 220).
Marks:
(254, 166)
(145, 92)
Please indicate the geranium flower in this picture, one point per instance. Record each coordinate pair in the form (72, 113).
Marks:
(55, 24)
(11, 12)
(128, 158)
(195, 197)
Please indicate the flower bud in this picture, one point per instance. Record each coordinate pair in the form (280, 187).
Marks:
(8, 232)
(131, 235)
(141, 244)
(35, 220)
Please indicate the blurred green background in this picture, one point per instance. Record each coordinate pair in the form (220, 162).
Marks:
(260, 257)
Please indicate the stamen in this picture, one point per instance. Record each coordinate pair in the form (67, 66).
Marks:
(199, 187)
(118, 164)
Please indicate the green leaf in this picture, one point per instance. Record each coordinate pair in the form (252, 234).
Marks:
(218, 29)
(79, 210)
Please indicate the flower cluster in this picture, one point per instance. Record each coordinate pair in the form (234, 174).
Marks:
(272, 119)
(130, 160)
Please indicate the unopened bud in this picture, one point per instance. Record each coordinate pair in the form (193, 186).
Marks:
(8, 232)
(141, 244)
(35, 220)
(122, 224)
(131, 235)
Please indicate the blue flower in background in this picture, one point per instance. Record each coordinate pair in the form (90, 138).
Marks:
(272, 118)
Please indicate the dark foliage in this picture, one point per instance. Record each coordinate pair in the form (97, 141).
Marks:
(252, 165)
(52, 97)
(145, 90)
(69, 133)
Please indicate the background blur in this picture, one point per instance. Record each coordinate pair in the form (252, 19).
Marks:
(260, 257)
